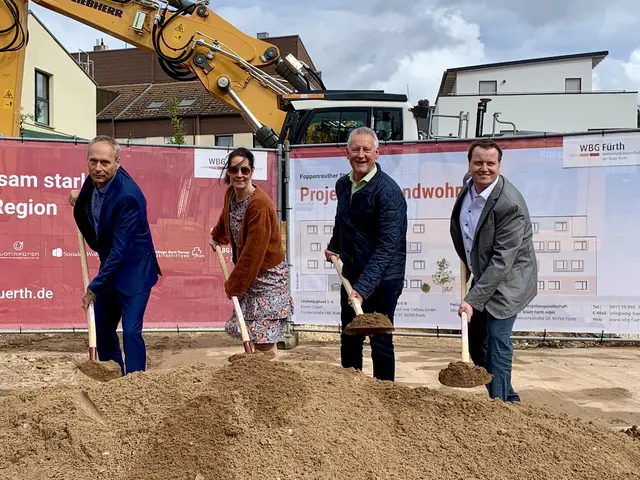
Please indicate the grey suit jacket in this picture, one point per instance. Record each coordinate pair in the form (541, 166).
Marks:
(503, 261)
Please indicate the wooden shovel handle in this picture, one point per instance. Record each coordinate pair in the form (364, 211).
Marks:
(347, 285)
(91, 318)
(248, 347)
(464, 322)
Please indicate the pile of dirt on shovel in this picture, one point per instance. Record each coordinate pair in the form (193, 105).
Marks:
(257, 418)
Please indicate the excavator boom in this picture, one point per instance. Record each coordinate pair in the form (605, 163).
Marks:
(13, 40)
(191, 42)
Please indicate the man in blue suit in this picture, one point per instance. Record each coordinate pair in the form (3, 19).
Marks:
(111, 213)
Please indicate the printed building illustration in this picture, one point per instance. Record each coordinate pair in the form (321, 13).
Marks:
(566, 257)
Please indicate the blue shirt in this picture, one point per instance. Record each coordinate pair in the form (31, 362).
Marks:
(470, 212)
(97, 199)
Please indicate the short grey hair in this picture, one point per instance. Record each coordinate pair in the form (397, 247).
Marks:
(107, 139)
(364, 131)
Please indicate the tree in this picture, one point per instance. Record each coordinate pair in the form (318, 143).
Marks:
(426, 288)
(176, 123)
(443, 275)
(23, 117)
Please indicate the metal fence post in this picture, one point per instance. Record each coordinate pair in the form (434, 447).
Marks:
(291, 338)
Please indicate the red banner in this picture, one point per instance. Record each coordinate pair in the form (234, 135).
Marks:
(40, 268)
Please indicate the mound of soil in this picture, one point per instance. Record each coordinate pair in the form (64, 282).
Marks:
(464, 375)
(369, 323)
(258, 418)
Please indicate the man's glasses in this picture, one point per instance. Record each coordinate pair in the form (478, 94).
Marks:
(234, 170)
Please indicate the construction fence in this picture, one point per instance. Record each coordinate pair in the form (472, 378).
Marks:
(581, 192)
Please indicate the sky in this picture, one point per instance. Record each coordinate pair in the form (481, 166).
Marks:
(403, 46)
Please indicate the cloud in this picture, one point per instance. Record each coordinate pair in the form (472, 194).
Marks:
(407, 44)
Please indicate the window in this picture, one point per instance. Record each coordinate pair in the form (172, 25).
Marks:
(155, 105)
(186, 103)
(224, 140)
(577, 265)
(328, 265)
(554, 246)
(561, 265)
(536, 227)
(573, 85)
(560, 227)
(488, 87)
(312, 264)
(416, 283)
(415, 247)
(316, 247)
(43, 97)
(388, 124)
(581, 245)
(328, 229)
(538, 246)
(334, 126)
(313, 229)
(419, 264)
(582, 285)
(405, 283)
(540, 284)
(419, 228)
(553, 285)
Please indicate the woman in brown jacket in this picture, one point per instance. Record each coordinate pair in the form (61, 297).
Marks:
(260, 278)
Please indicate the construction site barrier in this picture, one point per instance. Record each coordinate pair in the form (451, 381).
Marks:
(580, 190)
(582, 196)
(40, 269)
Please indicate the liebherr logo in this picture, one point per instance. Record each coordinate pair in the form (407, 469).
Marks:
(116, 12)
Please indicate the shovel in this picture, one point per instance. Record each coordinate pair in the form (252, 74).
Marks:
(464, 374)
(246, 341)
(364, 323)
(102, 371)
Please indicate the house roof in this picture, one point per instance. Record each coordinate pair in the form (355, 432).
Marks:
(35, 17)
(449, 76)
(148, 101)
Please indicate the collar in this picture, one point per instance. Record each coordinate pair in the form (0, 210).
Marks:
(103, 190)
(367, 178)
(485, 193)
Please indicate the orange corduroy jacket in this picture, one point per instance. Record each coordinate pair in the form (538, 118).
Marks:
(260, 246)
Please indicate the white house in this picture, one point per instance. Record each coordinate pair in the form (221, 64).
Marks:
(550, 94)
(58, 95)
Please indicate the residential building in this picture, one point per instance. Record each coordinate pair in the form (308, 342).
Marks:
(550, 94)
(134, 98)
(58, 97)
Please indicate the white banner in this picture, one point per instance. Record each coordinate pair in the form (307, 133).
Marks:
(601, 151)
(210, 162)
(587, 263)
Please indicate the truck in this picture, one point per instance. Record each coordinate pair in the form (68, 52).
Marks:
(192, 42)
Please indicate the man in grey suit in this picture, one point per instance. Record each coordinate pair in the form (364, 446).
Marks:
(492, 234)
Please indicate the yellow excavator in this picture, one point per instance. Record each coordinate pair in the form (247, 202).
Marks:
(192, 42)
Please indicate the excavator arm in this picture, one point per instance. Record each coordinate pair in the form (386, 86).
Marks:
(191, 42)
(13, 40)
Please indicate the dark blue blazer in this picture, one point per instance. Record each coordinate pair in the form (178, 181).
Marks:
(128, 262)
(370, 232)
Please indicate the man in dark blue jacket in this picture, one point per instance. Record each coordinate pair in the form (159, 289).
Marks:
(111, 213)
(369, 236)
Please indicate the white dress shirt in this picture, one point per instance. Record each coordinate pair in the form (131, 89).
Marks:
(472, 205)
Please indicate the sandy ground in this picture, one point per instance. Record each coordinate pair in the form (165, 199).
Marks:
(600, 384)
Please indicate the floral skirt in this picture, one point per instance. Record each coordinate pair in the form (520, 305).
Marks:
(265, 306)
